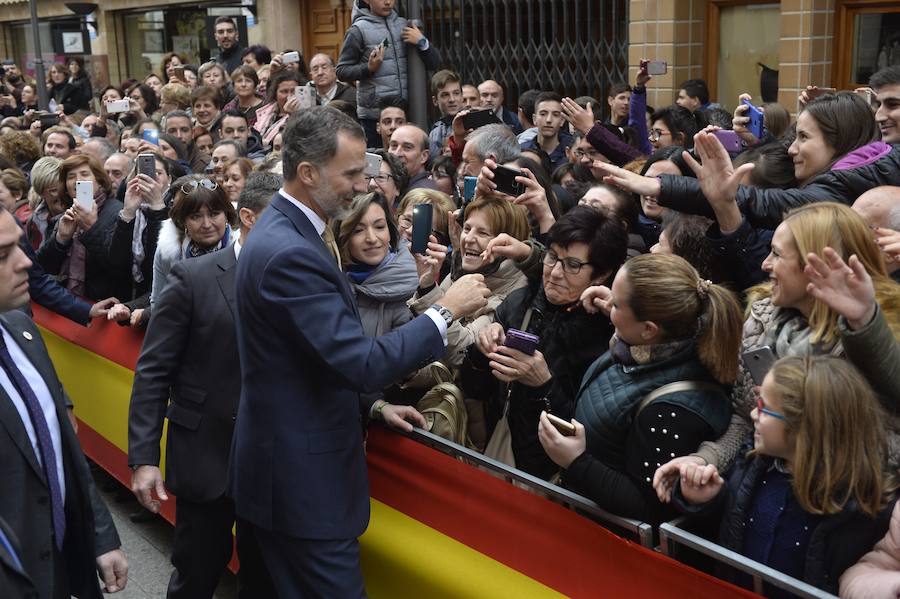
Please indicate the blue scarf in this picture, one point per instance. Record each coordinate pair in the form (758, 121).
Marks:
(358, 273)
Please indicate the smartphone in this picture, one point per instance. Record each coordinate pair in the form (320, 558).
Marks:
(151, 135)
(422, 224)
(479, 118)
(179, 72)
(289, 57)
(759, 362)
(564, 428)
(147, 165)
(117, 106)
(522, 341)
(730, 140)
(657, 67)
(373, 165)
(505, 178)
(815, 92)
(469, 184)
(385, 43)
(84, 194)
(757, 121)
(305, 96)
(48, 120)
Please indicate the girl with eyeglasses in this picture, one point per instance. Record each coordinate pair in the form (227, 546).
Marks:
(676, 335)
(200, 222)
(812, 496)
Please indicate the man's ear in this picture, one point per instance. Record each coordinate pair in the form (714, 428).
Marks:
(248, 217)
(426, 154)
(434, 101)
(308, 174)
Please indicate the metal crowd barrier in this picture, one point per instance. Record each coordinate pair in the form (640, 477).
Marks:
(640, 532)
(671, 532)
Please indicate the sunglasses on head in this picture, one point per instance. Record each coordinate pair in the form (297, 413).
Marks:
(193, 184)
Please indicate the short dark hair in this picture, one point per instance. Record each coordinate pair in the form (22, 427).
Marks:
(233, 113)
(680, 121)
(258, 190)
(392, 102)
(526, 101)
(627, 209)
(696, 88)
(70, 139)
(618, 88)
(596, 106)
(719, 117)
(345, 107)
(606, 239)
(686, 235)
(225, 19)
(442, 78)
(240, 148)
(546, 97)
(185, 205)
(673, 155)
(262, 53)
(773, 166)
(149, 96)
(312, 136)
(885, 76)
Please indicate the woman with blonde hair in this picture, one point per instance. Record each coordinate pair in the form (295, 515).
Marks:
(443, 206)
(812, 496)
(659, 391)
(44, 199)
(786, 317)
(484, 219)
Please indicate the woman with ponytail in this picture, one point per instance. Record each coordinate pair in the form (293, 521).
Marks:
(660, 390)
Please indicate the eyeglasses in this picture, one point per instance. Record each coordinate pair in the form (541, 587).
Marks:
(592, 154)
(762, 409)
(193, 184)
(404, 222)
(380, 179)
(655, 134)
(570, 265)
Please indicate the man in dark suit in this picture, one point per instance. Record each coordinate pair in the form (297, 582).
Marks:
(190, 355)
(298, 470)
(492, 98)
(14, 580)
(48, 498)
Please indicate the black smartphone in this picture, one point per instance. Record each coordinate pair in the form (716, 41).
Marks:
(422, 223)
(48, 120)
(759, 362)
(147, 165)
(479, 118)
(505, 179)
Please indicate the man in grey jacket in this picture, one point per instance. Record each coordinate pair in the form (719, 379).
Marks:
(374, 55)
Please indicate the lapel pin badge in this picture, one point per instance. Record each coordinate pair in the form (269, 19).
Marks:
(27, 335)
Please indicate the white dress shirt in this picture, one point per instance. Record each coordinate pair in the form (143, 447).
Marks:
(48, 407)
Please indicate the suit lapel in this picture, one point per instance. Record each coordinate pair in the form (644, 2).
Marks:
(306, 228)
(225, 278)
(9, 416)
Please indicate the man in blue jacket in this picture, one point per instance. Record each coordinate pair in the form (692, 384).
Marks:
(298, 469)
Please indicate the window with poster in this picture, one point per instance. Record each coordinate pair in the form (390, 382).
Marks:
(867, 38)
(183, 29)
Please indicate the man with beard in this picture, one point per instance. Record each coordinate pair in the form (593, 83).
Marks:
(298, 469)
(226, 33)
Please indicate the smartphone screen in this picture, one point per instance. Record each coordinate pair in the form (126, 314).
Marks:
(151, 135)
(469, 184)
(422, 223)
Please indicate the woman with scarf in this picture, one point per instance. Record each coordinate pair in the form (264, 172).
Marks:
(44, 198)
(282, 103)
(657, 393)
(585, 247)
(77, 248)
(134, 240)
(199, 223)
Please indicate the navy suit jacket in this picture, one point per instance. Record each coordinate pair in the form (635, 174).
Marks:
(298, 465)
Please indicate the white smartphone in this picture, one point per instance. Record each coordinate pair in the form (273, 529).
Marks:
(84, 194)
(657, 67)
(117, 106)
(290, 57)
(373, 164)
(305, 96)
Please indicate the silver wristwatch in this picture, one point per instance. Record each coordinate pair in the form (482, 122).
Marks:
(446, 314)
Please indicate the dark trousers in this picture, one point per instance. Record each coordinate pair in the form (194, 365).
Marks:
(202, 550)
(308, 568)
(373, 137)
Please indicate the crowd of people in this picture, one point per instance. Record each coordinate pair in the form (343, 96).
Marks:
(663, 309)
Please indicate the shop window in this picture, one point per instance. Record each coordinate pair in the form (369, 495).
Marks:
(868, 39)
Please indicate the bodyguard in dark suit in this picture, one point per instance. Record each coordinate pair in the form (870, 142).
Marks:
(48, 497)
(14, 581)
(298, 471)
(188, 371)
